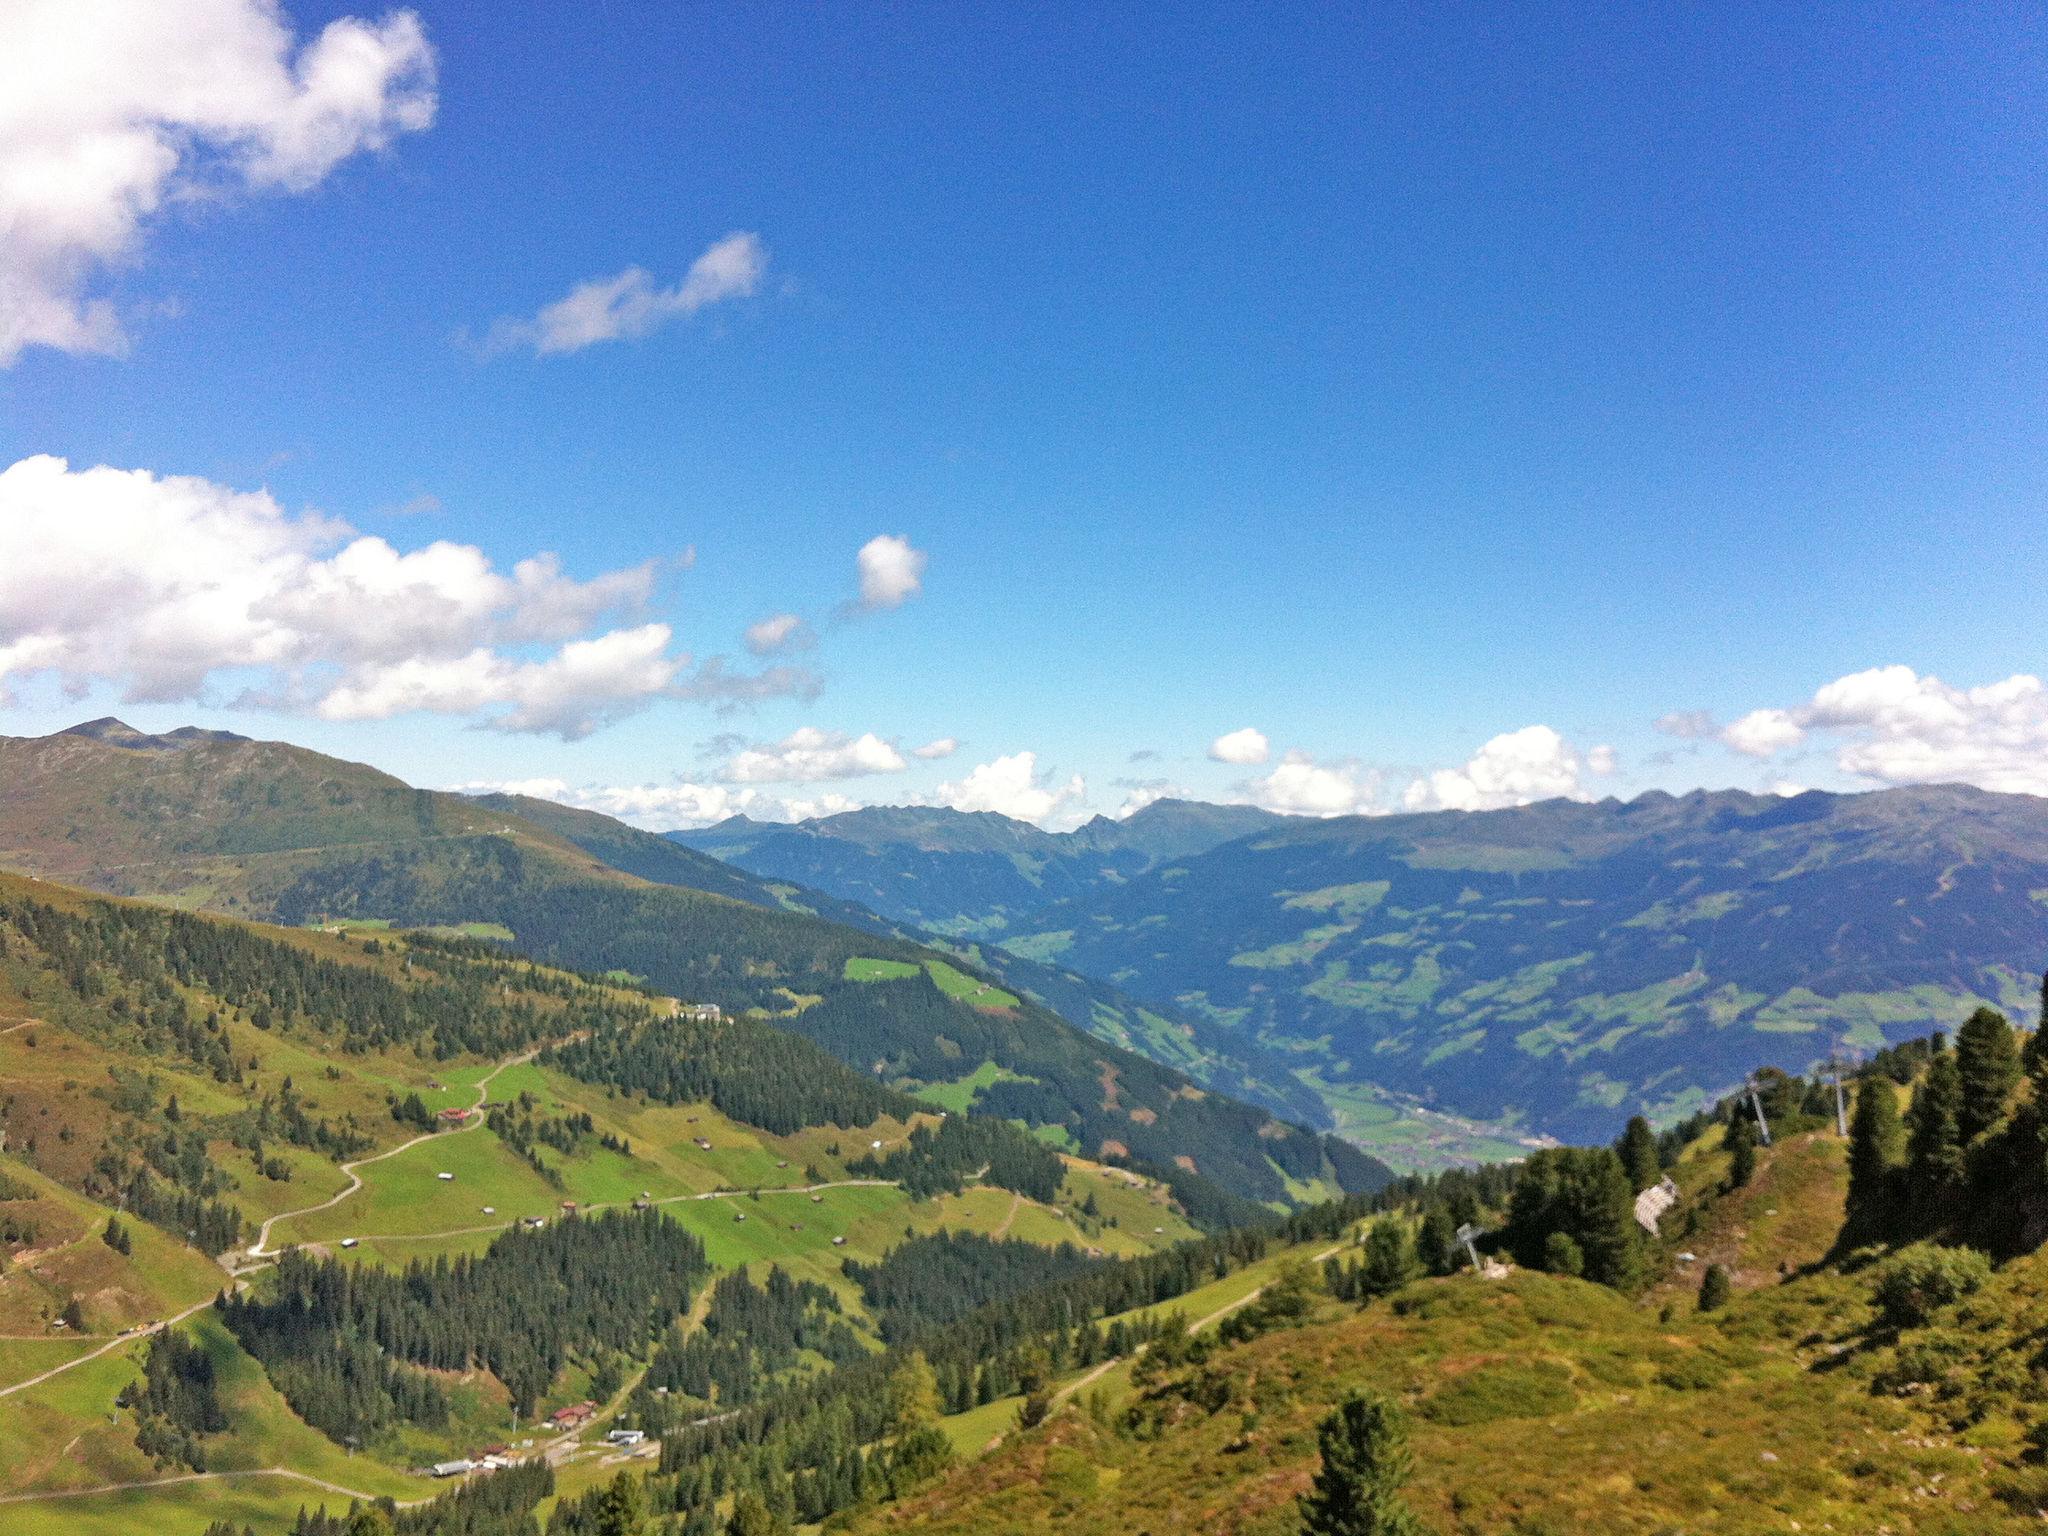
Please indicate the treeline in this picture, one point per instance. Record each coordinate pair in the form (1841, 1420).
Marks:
(752, 1336)
(157, 1165)
(800, 1450)
(282, 1116)
(928, 1281)
(129, 958)
(1969, 1158)
(525, 1133)
(742, 1068)
(134, 1005)
(175, 1402)
(520, 1310)
(963, 1147)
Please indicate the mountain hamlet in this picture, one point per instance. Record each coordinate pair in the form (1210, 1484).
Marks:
(376, 1159)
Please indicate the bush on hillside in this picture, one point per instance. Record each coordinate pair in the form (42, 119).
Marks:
(1916, 1281)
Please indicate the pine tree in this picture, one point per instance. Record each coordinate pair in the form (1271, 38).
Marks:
(1988, 1063)
(1876, 1151)
(750, 1517)
(1638, 1152)
(1389, 1259)
(1934, 1141)
(1741, 1144)
(625, 1510)
(1436, 1241)
(1357, 1489)
(913, 1394)
(1714, 1289)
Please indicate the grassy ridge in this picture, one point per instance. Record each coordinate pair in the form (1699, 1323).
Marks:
(1541, 1404)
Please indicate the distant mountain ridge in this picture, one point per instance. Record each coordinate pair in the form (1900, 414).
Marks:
(969, 873)
(1566, 962)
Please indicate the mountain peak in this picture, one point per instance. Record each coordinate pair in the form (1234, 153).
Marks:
(112, 732)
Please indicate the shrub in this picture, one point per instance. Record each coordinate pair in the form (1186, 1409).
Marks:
(1533, 1389)
(1690, 1371)
(1562, 1255)
(1916, 1281)
(1714, 1289)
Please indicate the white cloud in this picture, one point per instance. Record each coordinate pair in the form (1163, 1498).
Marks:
(111, 111)
(661, 807)
(779, 632)
(1893, 725)
(1244, 747)
(162, 585)
(1300, 786)
(891, 572)
(631, 305)
(931, 751)
(1515, 768)
(1602, 760)
(809, 755)
(1764, 733)
(586, 684)
(1012, 786)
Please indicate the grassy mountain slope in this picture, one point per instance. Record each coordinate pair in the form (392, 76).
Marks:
(1541, 1405)
(205, 1074)
(273, 831)
(1576, 963)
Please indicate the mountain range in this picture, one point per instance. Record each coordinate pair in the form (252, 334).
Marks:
(1562, 965)
(971, 873)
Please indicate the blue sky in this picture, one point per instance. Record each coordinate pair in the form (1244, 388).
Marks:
(1382, 385)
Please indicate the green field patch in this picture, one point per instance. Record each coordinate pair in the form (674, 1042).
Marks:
(1456, 1045)
(1799, 1011)
(1598, 1088)
(405, 1194)
(1387, 987)
(960, 1094)
(160, 1276)
(790, 1228)
(496, 931)
(22, 1358)
(964, 988)
(1295, 952)
(1345, 900)
(955, 983)
(864, 969)
(1054, 1136)
(1045, 948)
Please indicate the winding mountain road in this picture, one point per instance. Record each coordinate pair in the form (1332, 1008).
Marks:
(204, 1477)
(262, 1250)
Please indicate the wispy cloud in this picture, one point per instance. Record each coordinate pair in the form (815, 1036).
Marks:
(632, 304)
